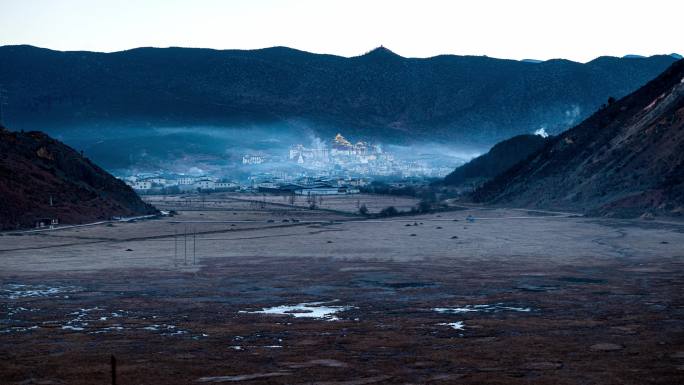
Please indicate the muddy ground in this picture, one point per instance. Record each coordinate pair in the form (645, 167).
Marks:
(514, 297)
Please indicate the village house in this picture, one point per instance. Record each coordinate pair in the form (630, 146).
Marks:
(253, 159)
(225, 185)
(142, 185)
(205, 184)
(185, 180)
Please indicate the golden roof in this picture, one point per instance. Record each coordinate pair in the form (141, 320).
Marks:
(339, 139)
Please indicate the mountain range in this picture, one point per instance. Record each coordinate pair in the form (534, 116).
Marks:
(625, 160)
(379, 95)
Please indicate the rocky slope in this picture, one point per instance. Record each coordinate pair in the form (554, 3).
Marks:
(379, 94)
(626, 160)
(498, 159)
(41, 178)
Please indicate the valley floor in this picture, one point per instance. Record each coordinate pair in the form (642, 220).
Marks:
(233, 290)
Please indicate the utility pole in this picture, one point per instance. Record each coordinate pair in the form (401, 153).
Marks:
(113, 367)
(185, 245)
(175, 247)
(194, 240)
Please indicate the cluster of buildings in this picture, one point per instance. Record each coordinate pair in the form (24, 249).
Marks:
(179, 183)
(309, 187)
(341, 152)
(281, 184)
(336, 167)
(343, 157)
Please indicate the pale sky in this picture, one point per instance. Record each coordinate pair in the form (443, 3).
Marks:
(579, 30)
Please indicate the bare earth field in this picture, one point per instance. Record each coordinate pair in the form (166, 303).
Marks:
(263, 293)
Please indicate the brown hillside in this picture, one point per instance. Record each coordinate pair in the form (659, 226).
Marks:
(625, 160)
(35, 167)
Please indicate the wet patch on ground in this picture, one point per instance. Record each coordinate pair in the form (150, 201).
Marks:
(482, 308)
(326, 310)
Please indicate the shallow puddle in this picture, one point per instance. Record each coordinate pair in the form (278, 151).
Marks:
(484, 308)
(18, 329)
(317, 310)
(18, 291)
(166, 330)
(94, 320)
(458, 325)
